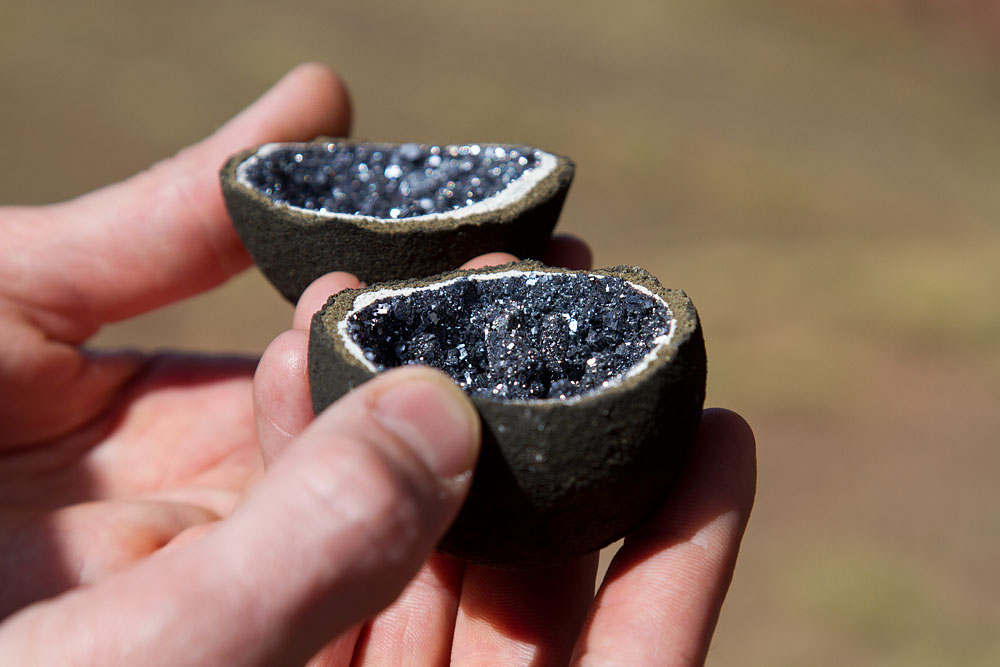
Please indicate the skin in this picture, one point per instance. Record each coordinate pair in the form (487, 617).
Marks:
(180, 509)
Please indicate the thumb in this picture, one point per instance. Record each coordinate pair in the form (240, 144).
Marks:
(329, 536)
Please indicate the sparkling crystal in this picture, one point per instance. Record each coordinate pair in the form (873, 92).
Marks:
(375, 179)
(512, 337)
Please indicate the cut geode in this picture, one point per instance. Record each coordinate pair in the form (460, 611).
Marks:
(389, 211)
(529, 335)
(589, 384)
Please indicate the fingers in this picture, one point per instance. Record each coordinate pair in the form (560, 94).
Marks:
(50, 388)
(521, 618)
(330, 535)
(417, 628)
(282, 404)
(568, 251)
(163, 234)
(316, 295)
(563, 250)
(663, 592)
(489, 259)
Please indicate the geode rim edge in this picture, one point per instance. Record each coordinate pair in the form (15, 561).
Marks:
(558, 176)
(517, 188)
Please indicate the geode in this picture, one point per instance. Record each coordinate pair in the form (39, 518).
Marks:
(589, 384)
(389, 211)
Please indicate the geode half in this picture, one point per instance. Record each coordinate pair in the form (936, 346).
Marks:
(389, 211)
(590, 386)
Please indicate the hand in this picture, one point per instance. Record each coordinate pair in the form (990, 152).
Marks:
(133, 497)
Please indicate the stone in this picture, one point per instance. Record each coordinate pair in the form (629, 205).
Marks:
(590, 386)
(389, 211)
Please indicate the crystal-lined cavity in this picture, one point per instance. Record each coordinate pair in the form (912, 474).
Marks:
(387, 181)
(517, 335)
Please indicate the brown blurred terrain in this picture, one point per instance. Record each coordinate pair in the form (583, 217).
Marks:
(976, 22)
(821, 178)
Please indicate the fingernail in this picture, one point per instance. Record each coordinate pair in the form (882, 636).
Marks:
(431, 415)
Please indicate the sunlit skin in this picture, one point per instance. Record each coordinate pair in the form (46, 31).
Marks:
(185, 509)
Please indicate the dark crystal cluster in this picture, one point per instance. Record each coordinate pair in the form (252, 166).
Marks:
(385, 180)
(534, 335)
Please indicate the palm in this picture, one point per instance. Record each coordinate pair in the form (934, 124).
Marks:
(171, 450)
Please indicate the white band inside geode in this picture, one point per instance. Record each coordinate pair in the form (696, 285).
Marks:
(514, 190)
(366, 299)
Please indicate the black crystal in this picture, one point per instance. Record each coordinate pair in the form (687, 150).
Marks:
(533, 335)
(386, 180)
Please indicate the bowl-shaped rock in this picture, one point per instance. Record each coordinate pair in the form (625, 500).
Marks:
(557, 477)
(389, 211)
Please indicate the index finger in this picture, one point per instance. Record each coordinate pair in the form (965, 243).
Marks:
(164, 234)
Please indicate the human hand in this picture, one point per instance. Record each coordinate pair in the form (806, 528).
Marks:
(119, 472)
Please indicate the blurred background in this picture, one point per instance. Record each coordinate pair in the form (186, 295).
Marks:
(820, 176)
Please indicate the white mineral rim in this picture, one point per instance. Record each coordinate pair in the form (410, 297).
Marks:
(515, 190)
(366, 299)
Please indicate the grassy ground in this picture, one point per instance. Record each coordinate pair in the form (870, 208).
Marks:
(822, 182)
